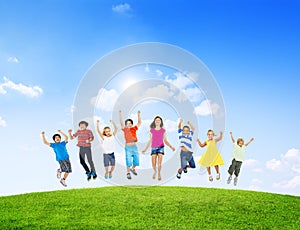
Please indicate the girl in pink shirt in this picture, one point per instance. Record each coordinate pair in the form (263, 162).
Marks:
(157, 140)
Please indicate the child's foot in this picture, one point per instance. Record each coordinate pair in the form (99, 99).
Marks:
(210, 178)
(178, 175)
(63, 182)
(159, 177)
(106, 176)
(235, 181)
(58, 173)
(109, 175)
(154, 176)
(229, 179)
(133, 171)
(94, 175)
(128, 176)
(88, 174)
(218, 176)
(185, 170)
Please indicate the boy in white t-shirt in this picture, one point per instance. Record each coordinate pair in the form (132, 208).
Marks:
(108, 145)
(238, 153)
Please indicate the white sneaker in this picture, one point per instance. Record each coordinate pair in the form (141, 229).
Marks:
(218, 176)
(58, 173)
(235, 181)
(229, 179)
(210, 178)
(63, 182)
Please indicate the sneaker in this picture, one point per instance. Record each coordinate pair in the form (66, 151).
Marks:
(218, 176)
(94, 175)
(58, 173)
(229, 179)
(133, 171)
(106, 176)
(128, 176)
(185, 170)
(63, 182)
(178, 175)
(210, 178)
(109, 175)
(235, 181)
(89, 176)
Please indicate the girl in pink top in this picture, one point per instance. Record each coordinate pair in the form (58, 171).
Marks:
(157, 140)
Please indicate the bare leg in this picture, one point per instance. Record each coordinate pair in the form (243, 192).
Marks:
(208, 170)
(154, 157)
(106, 170)
(160, 157)
(217, 168)
(66, 175)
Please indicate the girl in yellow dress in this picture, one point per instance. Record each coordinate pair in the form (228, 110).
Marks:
(211, 157)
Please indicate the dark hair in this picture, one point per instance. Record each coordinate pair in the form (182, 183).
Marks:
(152, 125)
(186, 127)
(56, 135)
(103, 133)
(83, 122)
(131, 121)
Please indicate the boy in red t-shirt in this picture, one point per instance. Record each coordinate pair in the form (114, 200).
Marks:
(132, 156)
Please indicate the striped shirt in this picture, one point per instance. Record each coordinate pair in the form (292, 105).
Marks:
(83, 136)
(186, 140)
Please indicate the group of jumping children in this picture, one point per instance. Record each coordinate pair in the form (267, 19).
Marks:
(210, 158)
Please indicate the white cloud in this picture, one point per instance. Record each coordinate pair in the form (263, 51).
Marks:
(257, 170)
(147, 69)
(193, 94)
(257, 181)
(274, 164)
(13, 59)
(121, 8)
(159, 91)
(171, 126)
(207, 107)
(33, 91)
(181, 81)
(159, 73)
(291, 184)
(105, 100)
(2, 122)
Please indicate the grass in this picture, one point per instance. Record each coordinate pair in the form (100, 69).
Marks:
(150, 208)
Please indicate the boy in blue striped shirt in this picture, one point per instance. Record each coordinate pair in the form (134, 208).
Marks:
(186, 154)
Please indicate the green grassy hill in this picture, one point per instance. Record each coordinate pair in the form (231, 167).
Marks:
(150, 207)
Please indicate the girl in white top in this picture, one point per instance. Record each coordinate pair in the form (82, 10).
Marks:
(108, 145)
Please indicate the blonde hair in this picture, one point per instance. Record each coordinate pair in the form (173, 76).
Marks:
(210, 130)
(240, 139)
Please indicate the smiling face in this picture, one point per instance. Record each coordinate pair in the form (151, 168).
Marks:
(240, 142)
(128, 123)
(106, 132)
(157, 122)
(210, 134)
(56, 138)
(82, 126)
(185, 130)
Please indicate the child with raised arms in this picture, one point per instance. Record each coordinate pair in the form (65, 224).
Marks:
(131, 152)
(61, 154)
(157, 140)
(238, 153)
(108, 145)
(211, 156)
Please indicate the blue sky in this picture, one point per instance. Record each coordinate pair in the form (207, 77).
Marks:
(251, 47)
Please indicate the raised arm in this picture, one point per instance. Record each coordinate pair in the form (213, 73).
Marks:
(70, 134)
(99, 131)
(148, 144)
(220, 137)
(191, 125)
(252, 139)
(232, 138)
(121, 119)
(65, 135)
(44, 139)
(201, 144)
(180, 123)
(139, 119)
(115, 127)
(168, 143)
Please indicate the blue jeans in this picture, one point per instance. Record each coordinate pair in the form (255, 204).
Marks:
(187, 157)
(132, 156)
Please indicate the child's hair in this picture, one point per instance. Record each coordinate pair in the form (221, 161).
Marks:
(152, 125)
(210, 130)
(56, 135)
(83, 122)
(107, 127)
(186, 126)
(130, 120)
(240, 139)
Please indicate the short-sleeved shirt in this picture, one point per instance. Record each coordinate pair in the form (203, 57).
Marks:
(130, 134)
(108, 144)
(60, 150)
(238, 152)
(83, 136)
(186, 140)
(157, 137)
